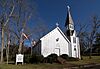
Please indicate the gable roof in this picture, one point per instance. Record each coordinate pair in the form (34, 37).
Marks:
(60, 33)
(63, 34)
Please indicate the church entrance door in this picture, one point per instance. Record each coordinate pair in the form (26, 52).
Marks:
(57, 51)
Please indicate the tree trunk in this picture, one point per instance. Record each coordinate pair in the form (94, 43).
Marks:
(2, 43)
(7, 48)
(7, 53)
(20, 48)
(31, 50)
(90, 50)
(20, 44)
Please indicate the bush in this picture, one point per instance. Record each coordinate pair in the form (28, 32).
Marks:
(72, 59)
(67, 58)
(27, 58)
(64, 56)
(13, 58)
(36, 58)
(50, 58)
(33, 58)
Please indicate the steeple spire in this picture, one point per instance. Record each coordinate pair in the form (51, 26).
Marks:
(69, 19)
(69, 24)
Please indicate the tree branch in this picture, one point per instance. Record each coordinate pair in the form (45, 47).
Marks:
(9, 15)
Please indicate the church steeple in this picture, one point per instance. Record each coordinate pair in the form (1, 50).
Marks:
(69, 19)
(69, 24)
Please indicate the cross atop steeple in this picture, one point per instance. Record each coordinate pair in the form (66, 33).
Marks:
(57, 24)
(68, 8)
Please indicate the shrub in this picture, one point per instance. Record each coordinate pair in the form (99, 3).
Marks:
(72, 59)
(67, 58)
(51, 58)
(36, 58)
(33, 58)
(64, 56)
(27, 58)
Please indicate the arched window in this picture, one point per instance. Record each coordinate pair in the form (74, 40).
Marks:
(57, 39)
(74, 39)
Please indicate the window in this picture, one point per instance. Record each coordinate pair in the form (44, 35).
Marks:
(75, 48)
(74, 39)
(57, 39)
(71, 26)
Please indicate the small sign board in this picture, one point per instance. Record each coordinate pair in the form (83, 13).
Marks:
(19, 58)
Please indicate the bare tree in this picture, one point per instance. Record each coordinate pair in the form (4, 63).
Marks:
(16, 14)
(87, 33)
(5, 16)
(81, 33)
(8, 43)
(95, 26)
(25, 12)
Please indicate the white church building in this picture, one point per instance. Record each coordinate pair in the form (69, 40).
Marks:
(58, 42)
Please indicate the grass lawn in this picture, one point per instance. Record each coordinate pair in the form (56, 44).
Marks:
(86, 60)
(32, 66)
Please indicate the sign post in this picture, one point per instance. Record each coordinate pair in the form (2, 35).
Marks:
(19, 58)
